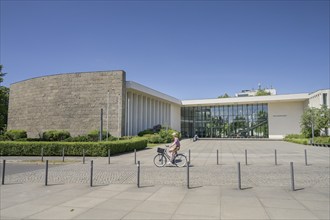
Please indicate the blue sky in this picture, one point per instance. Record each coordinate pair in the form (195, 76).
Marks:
(186, 49)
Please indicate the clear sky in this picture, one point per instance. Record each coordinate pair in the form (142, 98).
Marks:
(186, 49)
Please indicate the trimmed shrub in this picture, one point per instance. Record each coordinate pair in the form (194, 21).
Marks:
(322, 140)
(95, 135)
(16, 148)
(155, 139)
(148, 131)
(15, 134)
(55, 135)
(297, 136)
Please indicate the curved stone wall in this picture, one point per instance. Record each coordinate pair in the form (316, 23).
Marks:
(70, 102)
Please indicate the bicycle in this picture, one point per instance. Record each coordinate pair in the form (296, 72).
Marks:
(162, 156)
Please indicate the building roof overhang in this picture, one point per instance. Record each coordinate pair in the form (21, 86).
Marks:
(248, 100)
(130, 85)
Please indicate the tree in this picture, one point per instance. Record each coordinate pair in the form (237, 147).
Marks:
(262, 92)
(323, 119)
(1, 74)
(4, 100)
(224, 96)
(316, 119)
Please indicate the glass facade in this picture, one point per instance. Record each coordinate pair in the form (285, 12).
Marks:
(228, 121)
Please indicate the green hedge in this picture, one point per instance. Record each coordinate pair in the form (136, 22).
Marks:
(15, 148)
(300, 139)
(15, 135)
(304, 141)
(55, 135)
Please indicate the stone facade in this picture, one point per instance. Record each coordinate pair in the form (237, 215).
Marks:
(71, 102)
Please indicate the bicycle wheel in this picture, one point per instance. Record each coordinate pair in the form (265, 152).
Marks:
(160, 160)
(180, 160)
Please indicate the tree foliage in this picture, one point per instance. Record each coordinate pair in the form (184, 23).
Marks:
(262, 92)
(319, 118)
(224, 96)
(4, 100)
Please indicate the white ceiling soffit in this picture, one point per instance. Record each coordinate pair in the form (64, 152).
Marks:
(151, 92)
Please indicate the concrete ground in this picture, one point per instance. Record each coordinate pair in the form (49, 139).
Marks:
(163, 194)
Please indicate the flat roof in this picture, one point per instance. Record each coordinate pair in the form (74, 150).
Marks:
(248, 100)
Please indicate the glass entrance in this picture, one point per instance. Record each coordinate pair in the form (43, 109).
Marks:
(230, 121)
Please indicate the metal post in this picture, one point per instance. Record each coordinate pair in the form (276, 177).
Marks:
(292, 177)
(312, 128)
(109, 156)
(108, 115)
(42, 154)
(128, 122)
(46, 176)
(83, 156)
(217, 157)
(246, 157)
(239, 176)
(134, 156)
(275, 157)
(3, 172)
(91, 183)
(119, 129)
(189, 156)
(101, 124)
(138, 174)
(63, 154)
(188, 165)
(305, 157)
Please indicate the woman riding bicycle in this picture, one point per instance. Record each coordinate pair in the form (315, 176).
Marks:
(174, 147)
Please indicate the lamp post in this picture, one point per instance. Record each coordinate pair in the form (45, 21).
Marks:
(108, 115)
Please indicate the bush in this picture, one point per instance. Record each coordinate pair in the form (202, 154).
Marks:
(322, 140)
(55, 135)
(16, 148)
(297, 136)
(15, 134)
(95, 135)
(148, 131)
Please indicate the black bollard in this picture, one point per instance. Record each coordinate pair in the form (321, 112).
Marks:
(46, 176)
(42, 154)
(91, 183)
(138, 174)
(83, 156)
(188, 165)
(217, 157)
(134, 156)
(306, 157)
(63, 154)
(3, 172)
(275, 157)
(189, 156)
(109, 156)
(246, 157)
(239, 176)
(292, 176)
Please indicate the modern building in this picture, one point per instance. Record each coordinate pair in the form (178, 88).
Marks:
(73, 102)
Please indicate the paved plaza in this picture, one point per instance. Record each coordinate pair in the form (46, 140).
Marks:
(163, 194)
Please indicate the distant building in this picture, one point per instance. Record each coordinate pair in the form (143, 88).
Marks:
(253, 92)
(73, 102)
